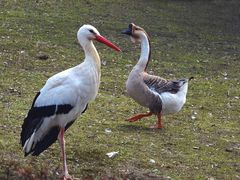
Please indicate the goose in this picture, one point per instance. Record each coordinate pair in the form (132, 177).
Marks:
(161, 96)
(63, 98)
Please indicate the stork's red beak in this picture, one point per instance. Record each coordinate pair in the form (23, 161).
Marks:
(107, 42)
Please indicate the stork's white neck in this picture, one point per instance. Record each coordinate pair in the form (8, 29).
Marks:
(91, 54)
(145, 52)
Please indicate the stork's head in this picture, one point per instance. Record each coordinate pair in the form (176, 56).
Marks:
(135, 32)
(88, 33)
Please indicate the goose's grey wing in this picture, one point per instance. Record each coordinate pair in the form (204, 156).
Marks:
(161, 85)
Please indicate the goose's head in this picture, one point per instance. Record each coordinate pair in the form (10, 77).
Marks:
(135, 32)
(88, 33)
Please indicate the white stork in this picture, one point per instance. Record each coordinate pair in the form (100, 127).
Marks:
(63, 98)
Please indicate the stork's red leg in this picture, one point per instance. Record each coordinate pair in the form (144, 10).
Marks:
(62, 145)
(159, 124)
(139, 116)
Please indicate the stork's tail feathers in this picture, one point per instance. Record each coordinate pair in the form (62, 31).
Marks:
(28, 134)
(36, 135)
(33, 138)
(35, 142)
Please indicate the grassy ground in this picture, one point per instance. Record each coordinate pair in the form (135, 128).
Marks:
(189, 38)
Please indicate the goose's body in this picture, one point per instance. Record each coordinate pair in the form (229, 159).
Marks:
(161, 96)
(63, 98)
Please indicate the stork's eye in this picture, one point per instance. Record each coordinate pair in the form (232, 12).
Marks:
(91, 31)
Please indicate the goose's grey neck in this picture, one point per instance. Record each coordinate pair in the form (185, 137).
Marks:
(145, 52)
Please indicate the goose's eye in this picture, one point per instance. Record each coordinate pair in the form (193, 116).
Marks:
(91, 31)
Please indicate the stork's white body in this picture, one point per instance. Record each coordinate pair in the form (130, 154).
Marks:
(76, 86)
(80, 85)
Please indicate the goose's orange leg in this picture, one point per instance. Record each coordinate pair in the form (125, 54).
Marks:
(159, 124)
(139, 116)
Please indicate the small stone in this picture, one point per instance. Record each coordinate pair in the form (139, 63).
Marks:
(167, 177)
(112, 154)
(209, 145)
(193, 117)
(104, 63)
(229, 149)
(108, 131)
(152, 161)
(196, 147)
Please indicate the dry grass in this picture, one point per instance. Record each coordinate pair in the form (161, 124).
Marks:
(189, 38)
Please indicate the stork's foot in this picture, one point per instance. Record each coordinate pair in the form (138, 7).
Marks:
(67, 177)
(138, 117)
